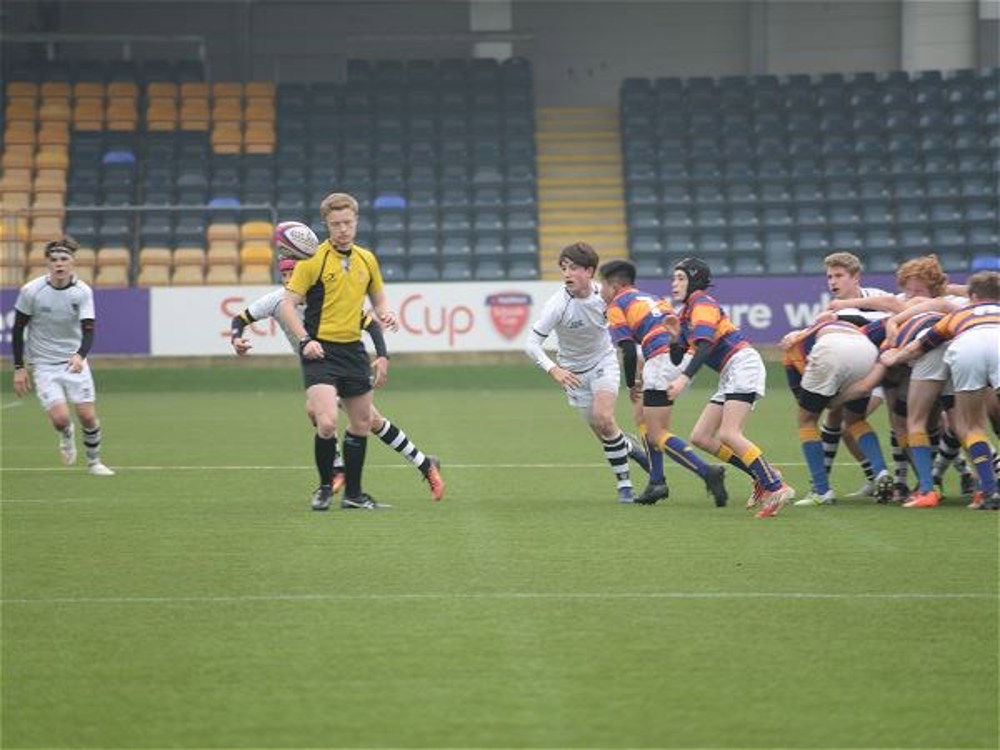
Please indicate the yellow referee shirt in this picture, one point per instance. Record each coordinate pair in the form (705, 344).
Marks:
(334, 286)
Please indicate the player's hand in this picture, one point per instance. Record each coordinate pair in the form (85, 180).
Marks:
(836, 304)
(789, 340)
(388, 319)
(22, 382)
(312, 350)
(890, 357)
(381, 367)
(75, 363)
(564, 377)
(676, 386)
(635, 393)
(241, 346)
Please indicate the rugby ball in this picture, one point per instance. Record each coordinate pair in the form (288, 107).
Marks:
(293, 239)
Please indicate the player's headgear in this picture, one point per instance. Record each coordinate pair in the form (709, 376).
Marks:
(286, 264)
(698, 273)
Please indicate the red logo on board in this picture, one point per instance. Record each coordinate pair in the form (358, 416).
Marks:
(509, 312)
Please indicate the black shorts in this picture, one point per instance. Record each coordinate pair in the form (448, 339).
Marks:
(344, 366)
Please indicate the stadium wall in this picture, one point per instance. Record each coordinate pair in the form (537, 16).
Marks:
(434, 318)
(581, 51)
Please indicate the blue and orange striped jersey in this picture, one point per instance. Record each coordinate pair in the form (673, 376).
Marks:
(962, 320)
(647, 320)
(704, 320)
(914, 327)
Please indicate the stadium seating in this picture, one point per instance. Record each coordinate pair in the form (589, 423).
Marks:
(768, 174)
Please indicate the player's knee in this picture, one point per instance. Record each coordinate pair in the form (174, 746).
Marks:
(730, 435)
(701, 439)
(326, 425)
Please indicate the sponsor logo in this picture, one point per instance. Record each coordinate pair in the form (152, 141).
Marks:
(509, 312)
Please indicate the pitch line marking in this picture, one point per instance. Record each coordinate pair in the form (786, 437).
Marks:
(397, 465)
(512, 596)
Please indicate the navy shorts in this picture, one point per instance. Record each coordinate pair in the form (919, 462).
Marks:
(344, 366)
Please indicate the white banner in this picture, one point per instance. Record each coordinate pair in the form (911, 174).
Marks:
(471, 317)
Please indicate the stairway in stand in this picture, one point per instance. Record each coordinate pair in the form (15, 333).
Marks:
(580, 188)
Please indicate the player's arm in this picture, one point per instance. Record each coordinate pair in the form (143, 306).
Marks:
(381, 363)
(915, 307)
(86, 342)
(630, 360)
(22, 381)
(380, 303)
(288, 314)
(889, 303)
(239, 322)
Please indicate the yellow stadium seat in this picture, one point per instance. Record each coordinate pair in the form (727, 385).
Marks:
(49, 204)
(22, 88)
(123, 89)
(223, 231)
(195, 114)
(45, 229)
(257, 275)
(189, 256)
(55, 111)
(11, 276)
(226, 141)
(13, 253)
(86, 257)
(51, 133)
(188, 276)
(227, 110)
(256, 230)
(153, 276)
(52, 157)
(88, 111)
(156, 256)
(15, 201)
(16, 179)
(35, 270)
(257, 111)
(17, 159)
(256, 253)
(161, 114)
(161, 90)
(223, 252)
(111, 276)
(222, 275)
(21, 109)
(50, 181)
(259, 88)
(227, 89)
(114, 256)
(195, 89)
(88, 89)
(55, 88)
(13, 227)
(20, 133)
(85, 274)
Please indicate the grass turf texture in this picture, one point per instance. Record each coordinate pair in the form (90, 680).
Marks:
(194, 600)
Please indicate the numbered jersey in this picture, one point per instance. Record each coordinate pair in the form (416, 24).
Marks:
(647, 320)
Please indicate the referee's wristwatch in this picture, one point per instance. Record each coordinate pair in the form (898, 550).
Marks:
(303, 340)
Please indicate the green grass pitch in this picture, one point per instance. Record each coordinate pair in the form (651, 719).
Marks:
(194, 600)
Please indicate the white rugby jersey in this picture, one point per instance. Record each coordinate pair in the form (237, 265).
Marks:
(581, 326)
(53, 333)
(868, 291)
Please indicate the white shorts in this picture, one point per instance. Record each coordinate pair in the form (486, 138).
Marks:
(836, 360)
(743, 373)
(658, 372)
(55, 384)
(931, 366)
(605, 376)
(974, 359)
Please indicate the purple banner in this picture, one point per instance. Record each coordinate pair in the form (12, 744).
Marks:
(768, 307)
(122, 321)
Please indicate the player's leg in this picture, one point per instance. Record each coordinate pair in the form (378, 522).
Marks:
(397, 439)
(600, 414)
(972, 407)
(52, 396)
(830, 434)
(655, 458)
(358, 408)
(810, 407)
(927, 380)
(81, 392)
(321, 405)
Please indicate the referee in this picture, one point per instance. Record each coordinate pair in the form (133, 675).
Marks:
(332, 285)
